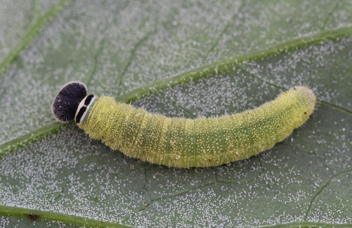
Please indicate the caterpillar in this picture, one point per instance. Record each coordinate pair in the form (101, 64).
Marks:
(181, 142)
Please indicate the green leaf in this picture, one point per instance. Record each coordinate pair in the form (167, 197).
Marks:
(189, 59)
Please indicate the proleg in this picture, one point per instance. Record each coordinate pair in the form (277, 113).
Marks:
(181, 142)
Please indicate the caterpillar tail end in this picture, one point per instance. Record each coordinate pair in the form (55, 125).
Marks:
(67, 101)
(309, 98)
(307, 102)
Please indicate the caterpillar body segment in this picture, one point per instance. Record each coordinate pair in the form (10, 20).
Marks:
(181, 142)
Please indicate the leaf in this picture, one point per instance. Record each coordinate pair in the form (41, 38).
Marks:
(191, 59)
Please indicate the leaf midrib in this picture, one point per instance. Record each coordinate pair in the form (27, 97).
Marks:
(221, 66)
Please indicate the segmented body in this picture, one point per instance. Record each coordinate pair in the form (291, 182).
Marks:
(181, 142)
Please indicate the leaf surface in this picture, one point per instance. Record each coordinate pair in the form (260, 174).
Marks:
(230, 55)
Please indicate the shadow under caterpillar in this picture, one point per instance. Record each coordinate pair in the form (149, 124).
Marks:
(181, 142)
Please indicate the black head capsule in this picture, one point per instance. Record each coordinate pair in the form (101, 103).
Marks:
(67, 101)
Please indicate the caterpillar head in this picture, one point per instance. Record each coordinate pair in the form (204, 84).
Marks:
(66, 102)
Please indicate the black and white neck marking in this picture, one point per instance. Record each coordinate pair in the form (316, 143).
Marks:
(83, 108)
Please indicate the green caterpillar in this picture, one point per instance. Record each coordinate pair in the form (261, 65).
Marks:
(180, 142)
